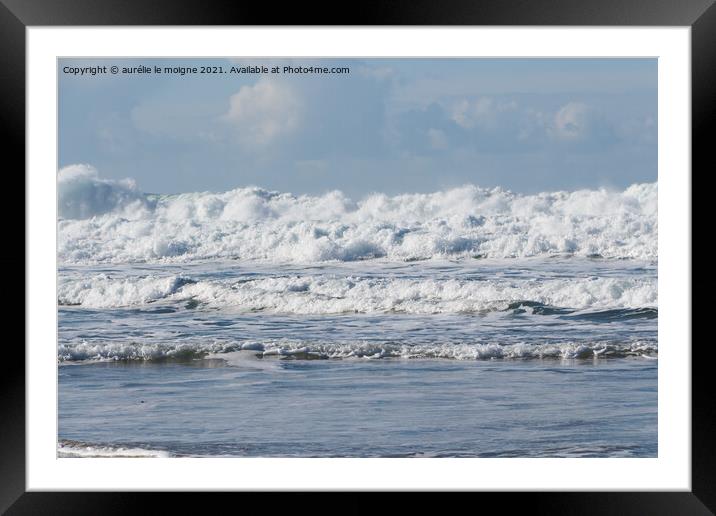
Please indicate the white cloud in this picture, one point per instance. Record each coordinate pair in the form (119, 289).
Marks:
(263, 112)
(571, 122)
(481, 112)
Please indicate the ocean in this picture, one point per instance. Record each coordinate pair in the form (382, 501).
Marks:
(464, 323)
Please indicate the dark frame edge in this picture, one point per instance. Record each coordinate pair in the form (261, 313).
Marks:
(703, 117)
(12, 379)
(371, 12)
(701, 16)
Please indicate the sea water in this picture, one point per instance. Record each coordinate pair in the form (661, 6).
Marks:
(464, 323)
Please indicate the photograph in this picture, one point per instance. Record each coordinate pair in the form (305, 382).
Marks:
(395, 257)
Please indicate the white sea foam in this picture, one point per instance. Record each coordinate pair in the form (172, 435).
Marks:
(75, 449)
(128, 350)
(330, 294)
(297, 349)
(109, 221)
(104, 291)
(82, 194)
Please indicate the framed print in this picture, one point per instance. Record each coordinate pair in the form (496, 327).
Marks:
(441, 249)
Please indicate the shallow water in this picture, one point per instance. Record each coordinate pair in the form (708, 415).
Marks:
(388, 408)
(492, 358)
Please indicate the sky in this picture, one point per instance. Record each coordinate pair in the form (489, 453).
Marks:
(389, 125)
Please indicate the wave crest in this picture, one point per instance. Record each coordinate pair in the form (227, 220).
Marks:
(302, 350)
(354, 294)
(106, 221)
(82, 194)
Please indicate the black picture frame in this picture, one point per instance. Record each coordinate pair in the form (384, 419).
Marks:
(16, 15)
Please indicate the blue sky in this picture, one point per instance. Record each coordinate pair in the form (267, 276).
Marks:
(390, 125)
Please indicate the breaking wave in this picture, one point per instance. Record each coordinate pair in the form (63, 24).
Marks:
(82, 194)
(302, 350)
(103, 221)
(331, 294)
